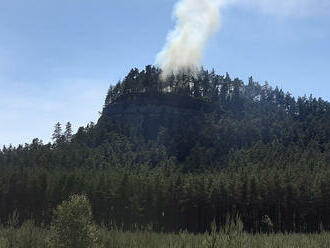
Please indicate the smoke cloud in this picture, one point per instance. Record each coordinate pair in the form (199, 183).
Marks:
(197, 20)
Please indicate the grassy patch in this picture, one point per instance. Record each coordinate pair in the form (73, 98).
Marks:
(28, 235)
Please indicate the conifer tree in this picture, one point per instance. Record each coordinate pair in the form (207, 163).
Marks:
(57, 135)
(68, 132)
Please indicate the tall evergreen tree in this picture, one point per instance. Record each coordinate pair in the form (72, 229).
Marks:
(57, 135)
(68, 132)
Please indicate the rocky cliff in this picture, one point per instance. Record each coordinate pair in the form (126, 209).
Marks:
(152, 111)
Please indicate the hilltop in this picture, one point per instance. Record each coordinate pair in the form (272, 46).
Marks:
(201, 121)
(212, 120)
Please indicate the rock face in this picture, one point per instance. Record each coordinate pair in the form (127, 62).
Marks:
(151, 112)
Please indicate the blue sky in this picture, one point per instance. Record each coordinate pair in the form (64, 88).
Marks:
(58, 58)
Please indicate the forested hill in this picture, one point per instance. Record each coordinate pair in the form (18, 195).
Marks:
(194, 122)
(212, 120)
(177, 155)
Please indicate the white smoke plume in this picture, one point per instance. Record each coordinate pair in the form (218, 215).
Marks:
(197, 20)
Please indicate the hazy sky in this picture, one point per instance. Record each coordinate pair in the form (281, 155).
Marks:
(58, 58)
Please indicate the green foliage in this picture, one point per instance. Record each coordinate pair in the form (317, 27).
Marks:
(177, 155)
(166, 199)
(72, 226)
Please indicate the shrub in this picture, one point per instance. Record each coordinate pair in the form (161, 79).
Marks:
(72, 226)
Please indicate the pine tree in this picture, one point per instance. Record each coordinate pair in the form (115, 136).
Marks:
(57, 135)
(68, 132)
(109, 98)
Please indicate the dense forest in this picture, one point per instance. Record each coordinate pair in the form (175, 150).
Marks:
(218, 147)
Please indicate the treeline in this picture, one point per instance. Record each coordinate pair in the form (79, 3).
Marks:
(203, 84)
(215, 88)
(73, 226)
(163, 199)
